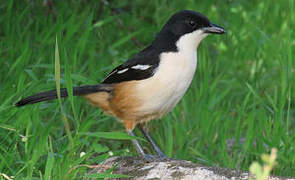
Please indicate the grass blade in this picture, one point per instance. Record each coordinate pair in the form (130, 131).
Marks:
(57, 80)
(57, 70)
(49, 166)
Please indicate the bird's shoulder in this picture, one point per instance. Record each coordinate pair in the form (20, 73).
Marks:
(141, 66)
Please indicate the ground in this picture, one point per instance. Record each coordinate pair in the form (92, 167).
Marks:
(239, 105)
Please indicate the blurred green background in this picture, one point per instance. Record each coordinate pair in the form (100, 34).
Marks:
(240, 104)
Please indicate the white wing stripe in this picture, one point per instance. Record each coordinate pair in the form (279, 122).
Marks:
(122, 71)
(141, 67)
(112, 73)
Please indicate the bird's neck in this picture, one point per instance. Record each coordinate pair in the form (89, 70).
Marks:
(165, 42)
(168, 42)
(190, 42)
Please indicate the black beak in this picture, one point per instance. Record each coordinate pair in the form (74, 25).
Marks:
(214, 29)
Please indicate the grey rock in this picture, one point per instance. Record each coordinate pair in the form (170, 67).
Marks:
(170, 169)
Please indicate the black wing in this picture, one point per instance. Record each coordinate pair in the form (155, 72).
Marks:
(141, 66)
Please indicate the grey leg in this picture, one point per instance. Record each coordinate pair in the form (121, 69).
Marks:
(139, 148)
(156, 148)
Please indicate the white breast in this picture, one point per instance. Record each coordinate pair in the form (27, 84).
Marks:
(162, 92)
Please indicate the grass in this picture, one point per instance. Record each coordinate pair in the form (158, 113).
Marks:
(239, 106)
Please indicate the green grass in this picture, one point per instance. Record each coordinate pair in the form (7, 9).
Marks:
(243, 90)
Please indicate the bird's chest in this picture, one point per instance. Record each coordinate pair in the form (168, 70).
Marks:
(176, 71)
(170, 82)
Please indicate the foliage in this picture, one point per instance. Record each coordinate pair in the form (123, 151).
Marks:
(240, 103)
(263, 172)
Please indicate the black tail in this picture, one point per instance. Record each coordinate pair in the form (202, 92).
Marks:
(77, 91)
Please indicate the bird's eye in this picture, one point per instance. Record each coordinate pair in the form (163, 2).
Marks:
(192, 23)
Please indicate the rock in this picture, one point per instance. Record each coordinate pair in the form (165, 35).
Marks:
(170, 169)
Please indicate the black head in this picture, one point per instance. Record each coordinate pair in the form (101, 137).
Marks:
(187, 21)
(183, 23)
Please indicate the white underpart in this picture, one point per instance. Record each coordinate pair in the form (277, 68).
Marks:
(122, 71)
(162, 92)
(141, 67)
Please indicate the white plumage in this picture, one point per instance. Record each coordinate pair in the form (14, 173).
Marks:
(172, 78)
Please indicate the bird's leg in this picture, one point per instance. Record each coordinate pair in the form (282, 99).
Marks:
(148, 137)
(139, 148)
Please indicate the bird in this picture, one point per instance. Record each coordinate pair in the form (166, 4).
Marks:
(151, 82)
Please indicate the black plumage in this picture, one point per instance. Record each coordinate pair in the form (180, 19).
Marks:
(77, 91)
